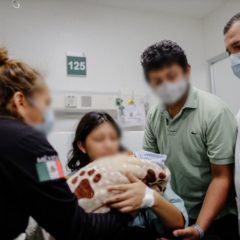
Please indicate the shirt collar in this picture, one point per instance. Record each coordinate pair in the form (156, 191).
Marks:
(192, 99)
(6, 114)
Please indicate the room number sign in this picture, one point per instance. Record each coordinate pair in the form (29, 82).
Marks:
(76, 65)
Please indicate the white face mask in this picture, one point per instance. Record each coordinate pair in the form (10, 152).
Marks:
(48, 122)
(235, 63)
(171, 92)
(48, 119)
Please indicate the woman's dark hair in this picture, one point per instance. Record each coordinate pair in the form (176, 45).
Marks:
(90, 121)
(162, 54)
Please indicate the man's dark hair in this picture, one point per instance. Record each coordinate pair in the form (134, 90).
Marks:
(229, 24)
(162, 54)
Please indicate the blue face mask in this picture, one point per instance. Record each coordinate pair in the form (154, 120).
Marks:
(48, 119)
(235, 63)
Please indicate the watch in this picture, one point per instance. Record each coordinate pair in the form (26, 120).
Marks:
(199, 230)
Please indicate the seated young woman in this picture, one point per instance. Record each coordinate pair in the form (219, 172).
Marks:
(98, 135)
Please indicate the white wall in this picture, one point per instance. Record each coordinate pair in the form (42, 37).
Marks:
(213, 28)
(41, 32)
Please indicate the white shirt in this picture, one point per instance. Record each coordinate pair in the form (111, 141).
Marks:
(237, 168)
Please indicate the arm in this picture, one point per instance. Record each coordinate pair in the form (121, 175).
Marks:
(221, 138)
(215, 199)
(131, 197)
(169, 215)
(217, 194)
(51, 203)
(56, 209)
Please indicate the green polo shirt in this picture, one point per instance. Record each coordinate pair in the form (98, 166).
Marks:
(202, 133)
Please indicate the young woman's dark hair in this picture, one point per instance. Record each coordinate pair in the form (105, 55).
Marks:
(90, 121)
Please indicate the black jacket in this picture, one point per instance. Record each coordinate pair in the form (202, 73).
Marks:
(50, 203)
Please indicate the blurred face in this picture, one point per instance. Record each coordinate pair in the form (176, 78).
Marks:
(232, 39)
(170, 83)
(31, 108)
(172, 73)
(101, 142)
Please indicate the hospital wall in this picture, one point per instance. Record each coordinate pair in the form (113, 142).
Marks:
(41, 32)
(213, 28)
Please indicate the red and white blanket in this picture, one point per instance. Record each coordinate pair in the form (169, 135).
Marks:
(91, 182)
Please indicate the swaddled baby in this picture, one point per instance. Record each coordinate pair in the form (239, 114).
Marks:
(90, 183)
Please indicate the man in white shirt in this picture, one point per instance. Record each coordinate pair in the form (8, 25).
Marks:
(232, 43)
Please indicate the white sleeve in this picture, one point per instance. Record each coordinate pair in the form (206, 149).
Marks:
(237, 167)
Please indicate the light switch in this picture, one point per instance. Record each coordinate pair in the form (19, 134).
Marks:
(71, 101)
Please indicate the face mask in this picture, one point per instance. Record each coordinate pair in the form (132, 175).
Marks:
(171, 92)
(48, 120)
(235, 63)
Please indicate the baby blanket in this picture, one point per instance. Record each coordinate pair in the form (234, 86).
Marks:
(91, 182)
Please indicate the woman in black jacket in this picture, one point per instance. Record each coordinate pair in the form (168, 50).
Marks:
(31, 178)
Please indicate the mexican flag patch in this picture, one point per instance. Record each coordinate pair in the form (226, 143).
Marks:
(49, 170)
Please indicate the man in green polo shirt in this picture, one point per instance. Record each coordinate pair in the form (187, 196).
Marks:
(198, 132)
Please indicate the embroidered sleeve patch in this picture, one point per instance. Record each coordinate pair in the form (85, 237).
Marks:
(49, 170)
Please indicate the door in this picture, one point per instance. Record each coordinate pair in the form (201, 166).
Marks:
(224, 83)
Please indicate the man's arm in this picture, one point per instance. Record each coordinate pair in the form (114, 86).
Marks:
(221, 139)
(217, 194)
(215, 199)
(221, 135)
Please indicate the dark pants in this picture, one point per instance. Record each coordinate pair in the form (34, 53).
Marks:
(136, 233)
(225, 228)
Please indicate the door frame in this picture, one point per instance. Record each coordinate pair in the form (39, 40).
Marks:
(211, 62)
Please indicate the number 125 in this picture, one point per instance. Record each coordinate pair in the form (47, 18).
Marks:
(77, 66)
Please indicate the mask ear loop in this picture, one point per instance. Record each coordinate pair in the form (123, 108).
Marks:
(32, 102)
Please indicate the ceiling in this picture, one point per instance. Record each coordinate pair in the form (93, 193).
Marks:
(193, 8)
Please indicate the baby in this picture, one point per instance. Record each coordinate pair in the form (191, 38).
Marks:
(91, 182)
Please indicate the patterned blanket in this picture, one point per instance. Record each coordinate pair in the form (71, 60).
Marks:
(91, 182)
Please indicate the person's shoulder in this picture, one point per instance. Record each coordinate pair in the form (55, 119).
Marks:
(154, 116)
(211, 104)
(238, 115)
(15, 132)
(210, 100)
(154, 111)
(238, 118)
(12, 124)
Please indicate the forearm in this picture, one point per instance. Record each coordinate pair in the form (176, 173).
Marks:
(59, 213)
(170, 216)
(214, 201)
(103, 226)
